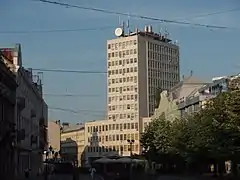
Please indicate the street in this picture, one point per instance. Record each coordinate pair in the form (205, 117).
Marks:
(86, 177)
(59, 177)
(68, 177)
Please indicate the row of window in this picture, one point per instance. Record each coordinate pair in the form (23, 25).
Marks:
(129, 116)
(161, 48)
(172, 75)
(122, 98)
(123, 107)
(122, 62)
(122, 54)
(115, 137)
(133, 97)
(123, 71)
(164, 83)
(123, 89)
(123, 45)
(158, 65)
(123, 148)
(110, 127)
(163, 57)
(132, 79)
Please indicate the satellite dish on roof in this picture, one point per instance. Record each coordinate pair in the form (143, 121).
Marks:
(119, 32)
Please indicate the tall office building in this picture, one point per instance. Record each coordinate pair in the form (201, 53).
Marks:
(138, 64)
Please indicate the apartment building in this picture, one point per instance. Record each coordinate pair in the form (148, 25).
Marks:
(197, 100)
(174, 102)
(8, 88)
(72, 143)
(31, 114)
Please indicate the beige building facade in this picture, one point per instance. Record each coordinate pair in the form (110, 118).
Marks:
(104, 136)
(54, 135)
(72, 143)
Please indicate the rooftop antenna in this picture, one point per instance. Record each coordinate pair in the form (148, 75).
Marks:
(191, 73)
(119, 20)
(123, 27)
(159, 29)
(128, 25)
(136, 28)
(166, 32)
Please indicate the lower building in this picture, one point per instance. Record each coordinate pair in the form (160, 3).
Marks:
(31, 123)
(72, 143)
(196, 100)
(104, 136)
(31, 114)
(7, 121)
(54, 135)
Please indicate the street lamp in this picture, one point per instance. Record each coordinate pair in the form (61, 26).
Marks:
(49, 150)
(131, 142)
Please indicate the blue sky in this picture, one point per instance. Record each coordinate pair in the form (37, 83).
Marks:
(207, 52)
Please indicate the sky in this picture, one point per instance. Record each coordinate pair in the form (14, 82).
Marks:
(207, 52)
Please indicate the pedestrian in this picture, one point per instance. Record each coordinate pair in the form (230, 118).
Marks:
(39, 171)
(92, 172)
(26, 172)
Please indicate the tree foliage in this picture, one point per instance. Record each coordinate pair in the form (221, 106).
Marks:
(213, 133)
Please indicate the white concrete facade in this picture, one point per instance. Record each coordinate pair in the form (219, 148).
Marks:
(139, 64)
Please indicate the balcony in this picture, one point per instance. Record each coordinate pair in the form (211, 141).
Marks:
(21, 103)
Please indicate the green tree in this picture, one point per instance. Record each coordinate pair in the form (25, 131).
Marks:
(157, 140)
(215, 130)
(157, 135)
(210, 136)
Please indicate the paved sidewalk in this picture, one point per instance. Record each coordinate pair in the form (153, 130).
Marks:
(50, 177)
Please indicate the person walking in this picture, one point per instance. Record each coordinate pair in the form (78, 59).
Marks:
(92, 172)
(26, 172)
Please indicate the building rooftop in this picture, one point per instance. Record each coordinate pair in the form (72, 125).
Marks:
(71, 127)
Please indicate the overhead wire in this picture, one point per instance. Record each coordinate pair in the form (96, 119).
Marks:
(81, 112)
(111, 27)
(57, 30)
(210, 14)
(132, 15)
(71, 95)
(76, 111)
(69, 71)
